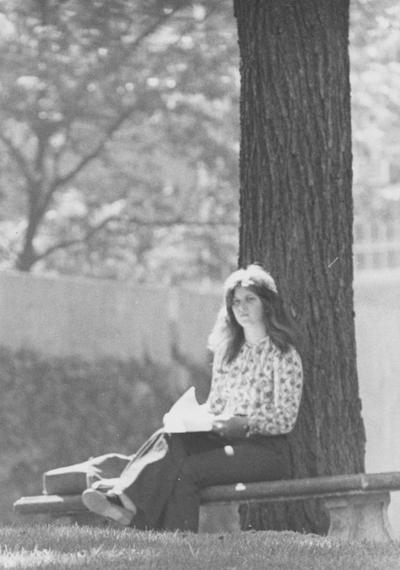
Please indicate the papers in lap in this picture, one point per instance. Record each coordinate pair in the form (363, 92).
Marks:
(187, 415)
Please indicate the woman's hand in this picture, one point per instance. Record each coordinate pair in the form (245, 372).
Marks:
(235, 426)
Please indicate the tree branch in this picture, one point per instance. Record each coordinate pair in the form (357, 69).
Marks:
(85, 238)
(111, 64)
(132, 220)
(179, 221)
(19, 159)
(61, 180)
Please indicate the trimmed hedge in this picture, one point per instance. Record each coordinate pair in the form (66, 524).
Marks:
(54, 412)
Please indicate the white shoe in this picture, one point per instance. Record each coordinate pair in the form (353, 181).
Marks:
(97, 502)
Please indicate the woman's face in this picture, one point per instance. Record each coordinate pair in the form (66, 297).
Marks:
(247, 307)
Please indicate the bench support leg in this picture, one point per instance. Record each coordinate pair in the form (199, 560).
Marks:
(360, 517)
(219, 517)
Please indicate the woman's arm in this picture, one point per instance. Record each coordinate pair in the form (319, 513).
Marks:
(276, 413)
(235, 426)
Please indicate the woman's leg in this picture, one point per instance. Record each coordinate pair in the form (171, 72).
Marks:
(240, 461)
(163, 482)
(149, 480)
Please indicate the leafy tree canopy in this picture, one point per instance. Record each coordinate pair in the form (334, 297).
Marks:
(118, 140)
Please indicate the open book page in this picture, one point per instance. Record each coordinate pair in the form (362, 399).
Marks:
(188, 415)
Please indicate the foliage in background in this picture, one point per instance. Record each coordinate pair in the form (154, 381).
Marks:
(375, 81)
(120, 134)
(55, 412)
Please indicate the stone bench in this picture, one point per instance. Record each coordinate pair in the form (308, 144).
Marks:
(357, 504)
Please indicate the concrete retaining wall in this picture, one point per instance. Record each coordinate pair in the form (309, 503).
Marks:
(89, 318)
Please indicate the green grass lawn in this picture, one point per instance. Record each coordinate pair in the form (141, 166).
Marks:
(58, 546)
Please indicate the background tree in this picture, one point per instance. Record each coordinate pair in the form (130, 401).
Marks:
(297, 213)
(375, 83)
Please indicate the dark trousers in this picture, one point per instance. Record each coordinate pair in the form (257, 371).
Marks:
(165, 477)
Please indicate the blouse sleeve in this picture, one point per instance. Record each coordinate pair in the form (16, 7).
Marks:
(215, 401)
(276, 412)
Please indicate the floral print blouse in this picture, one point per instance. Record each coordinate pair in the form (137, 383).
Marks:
(262, 383)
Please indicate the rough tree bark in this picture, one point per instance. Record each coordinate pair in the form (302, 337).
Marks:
(296, 218)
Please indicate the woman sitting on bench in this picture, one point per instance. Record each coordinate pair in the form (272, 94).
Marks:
(254, 397)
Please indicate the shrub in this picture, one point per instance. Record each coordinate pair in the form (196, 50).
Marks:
(58, 411)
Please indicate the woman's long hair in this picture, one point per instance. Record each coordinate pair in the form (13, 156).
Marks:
(228, 334)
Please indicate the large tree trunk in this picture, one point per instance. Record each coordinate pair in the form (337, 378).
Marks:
(296, 217)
